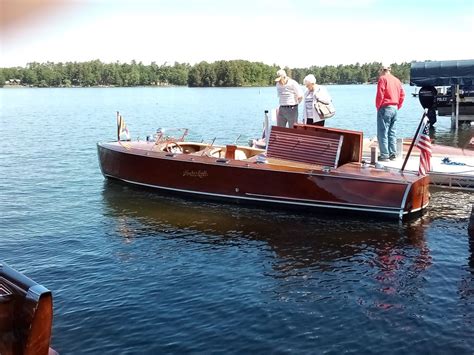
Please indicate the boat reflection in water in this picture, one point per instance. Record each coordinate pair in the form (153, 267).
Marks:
(303, 276)
(297, 240)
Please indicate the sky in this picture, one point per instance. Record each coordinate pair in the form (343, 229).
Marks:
(292, 33)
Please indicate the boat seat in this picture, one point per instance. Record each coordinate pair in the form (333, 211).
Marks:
(221, 152)
(240, 154)
(213, 152)
(310, 147)
(217, 153)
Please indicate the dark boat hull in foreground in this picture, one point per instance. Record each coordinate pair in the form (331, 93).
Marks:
(26, 315)
(307, 166)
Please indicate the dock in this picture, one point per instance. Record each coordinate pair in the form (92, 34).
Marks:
(450, 167)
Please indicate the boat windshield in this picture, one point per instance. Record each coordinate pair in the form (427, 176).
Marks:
(170, 134)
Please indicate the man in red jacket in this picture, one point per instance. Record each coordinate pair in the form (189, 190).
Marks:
(389, 100)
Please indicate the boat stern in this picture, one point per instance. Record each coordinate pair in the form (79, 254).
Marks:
(417, 196)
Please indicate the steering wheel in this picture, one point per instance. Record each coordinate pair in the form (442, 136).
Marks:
(173, 147)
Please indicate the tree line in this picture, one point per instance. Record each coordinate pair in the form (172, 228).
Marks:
(233, 73)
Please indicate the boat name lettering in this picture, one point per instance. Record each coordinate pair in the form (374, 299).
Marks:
(196, 173)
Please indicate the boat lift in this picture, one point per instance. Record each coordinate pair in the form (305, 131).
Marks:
(459, 75)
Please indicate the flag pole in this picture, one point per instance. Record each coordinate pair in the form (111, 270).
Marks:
(413, 141)
(118, 126)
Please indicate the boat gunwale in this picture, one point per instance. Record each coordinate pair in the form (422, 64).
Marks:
(312, 170)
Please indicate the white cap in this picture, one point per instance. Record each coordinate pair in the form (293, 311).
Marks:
(386, 65)
(281, 74)
(309, 79)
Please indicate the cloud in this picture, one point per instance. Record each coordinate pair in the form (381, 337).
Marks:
(279, 36)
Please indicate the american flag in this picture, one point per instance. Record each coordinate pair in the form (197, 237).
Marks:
(423, 142)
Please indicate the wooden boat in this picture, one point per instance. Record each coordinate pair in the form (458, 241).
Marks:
(306, 166)
(26, 315)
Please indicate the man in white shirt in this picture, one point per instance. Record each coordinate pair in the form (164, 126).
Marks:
(290, 95)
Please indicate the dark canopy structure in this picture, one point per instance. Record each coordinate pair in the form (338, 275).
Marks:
(442, 73)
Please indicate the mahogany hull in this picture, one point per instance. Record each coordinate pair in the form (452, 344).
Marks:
(26, 315)
(351, 187)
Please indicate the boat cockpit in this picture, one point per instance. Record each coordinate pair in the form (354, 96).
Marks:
(313, 145)
(229, 151)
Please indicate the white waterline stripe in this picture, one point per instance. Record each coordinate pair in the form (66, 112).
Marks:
(260, 199)
(323, 202)
(404, 199)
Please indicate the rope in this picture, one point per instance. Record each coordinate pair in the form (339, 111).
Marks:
(448, 161)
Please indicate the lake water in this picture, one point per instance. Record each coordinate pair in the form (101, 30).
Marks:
(135, 272)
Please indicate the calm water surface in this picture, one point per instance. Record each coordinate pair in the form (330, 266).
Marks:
(135, 272)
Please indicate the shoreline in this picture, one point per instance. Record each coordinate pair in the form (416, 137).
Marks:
(158, 86)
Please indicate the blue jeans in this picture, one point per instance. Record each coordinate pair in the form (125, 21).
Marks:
(386, 130)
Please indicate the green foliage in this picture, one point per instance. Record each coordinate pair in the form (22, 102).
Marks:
(2, 78)
(233, 73)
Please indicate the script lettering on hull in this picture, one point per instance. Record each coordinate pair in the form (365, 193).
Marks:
(196, 173)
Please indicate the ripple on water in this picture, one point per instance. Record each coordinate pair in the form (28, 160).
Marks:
(133, 271)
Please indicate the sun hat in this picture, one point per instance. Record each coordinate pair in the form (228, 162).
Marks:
(281, 74)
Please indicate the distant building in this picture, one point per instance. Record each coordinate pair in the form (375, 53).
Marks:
(13, 82)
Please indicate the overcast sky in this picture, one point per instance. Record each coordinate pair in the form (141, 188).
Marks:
(294, 33)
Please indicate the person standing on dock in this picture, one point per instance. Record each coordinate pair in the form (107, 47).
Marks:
(388, 101)
(290, 95)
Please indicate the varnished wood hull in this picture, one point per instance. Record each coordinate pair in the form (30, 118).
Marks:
(351, 187)
(26, 315)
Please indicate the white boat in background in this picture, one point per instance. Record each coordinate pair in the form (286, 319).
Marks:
(450, 167)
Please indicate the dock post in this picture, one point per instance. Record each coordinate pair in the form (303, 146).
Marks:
(455, 107)
(266, 128)
(373, 155)
(470, 228)
(399, 147)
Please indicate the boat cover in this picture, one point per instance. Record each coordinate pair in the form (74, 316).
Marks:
(442, 73)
